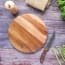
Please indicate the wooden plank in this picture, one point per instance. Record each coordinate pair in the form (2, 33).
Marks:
(27, 33)
(51, 24)
(52, 13)
(5, 43)
(12, 57)
(52, 19)
(23, 8)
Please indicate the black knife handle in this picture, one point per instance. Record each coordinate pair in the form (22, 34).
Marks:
(43, 55)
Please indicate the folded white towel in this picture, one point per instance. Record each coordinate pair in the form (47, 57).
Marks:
(39, 4)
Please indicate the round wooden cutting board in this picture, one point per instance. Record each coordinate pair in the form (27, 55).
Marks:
(27, 33)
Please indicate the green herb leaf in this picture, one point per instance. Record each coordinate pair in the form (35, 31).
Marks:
(54, 52)
(63, 52)
(61, 3)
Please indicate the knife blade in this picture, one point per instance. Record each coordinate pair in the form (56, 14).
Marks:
(47, 47)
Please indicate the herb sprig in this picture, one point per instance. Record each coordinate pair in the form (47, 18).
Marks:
(59, 52)
(61, 4)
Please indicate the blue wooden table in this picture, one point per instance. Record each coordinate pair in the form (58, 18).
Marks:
(53, 20)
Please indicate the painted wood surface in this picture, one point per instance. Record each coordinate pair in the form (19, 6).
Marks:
(51, 18)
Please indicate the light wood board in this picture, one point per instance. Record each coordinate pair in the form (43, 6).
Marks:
(27, 33)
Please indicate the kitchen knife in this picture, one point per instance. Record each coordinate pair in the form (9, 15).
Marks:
(47, 47)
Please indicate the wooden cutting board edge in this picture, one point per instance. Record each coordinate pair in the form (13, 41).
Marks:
(27, 52)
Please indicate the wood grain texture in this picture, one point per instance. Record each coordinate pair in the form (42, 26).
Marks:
(51, 18)
(27, 33)
(13, 57)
